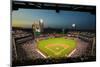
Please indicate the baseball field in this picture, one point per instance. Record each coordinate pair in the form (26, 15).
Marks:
(56, 47)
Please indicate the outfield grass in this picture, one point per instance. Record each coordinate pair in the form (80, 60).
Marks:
(56, 47)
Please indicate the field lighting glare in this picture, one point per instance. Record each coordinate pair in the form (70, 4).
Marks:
(73, 25)
(41, 20)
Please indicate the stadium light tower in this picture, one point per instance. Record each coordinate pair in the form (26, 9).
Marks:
(41, 20)
(41, 24)
(74, 29)
(74, 26)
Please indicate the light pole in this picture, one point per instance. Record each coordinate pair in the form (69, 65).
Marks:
(41, 24)
(73, 26)
(63, 30)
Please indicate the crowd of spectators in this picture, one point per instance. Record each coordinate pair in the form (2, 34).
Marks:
(91, 39)
(25, 45)
(85, 37)
(21, 38)
(20, 33)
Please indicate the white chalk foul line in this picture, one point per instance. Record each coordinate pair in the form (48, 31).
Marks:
(41, 53)
(71, 53)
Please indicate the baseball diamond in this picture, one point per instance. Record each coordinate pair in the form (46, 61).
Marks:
(56, 47)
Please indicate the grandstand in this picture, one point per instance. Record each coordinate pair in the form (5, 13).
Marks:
(25, 47)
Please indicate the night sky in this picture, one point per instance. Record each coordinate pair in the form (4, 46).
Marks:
(64, 19)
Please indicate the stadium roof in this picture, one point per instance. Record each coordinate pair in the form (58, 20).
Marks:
(53, 6)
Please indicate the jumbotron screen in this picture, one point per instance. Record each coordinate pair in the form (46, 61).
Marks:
(52, 33)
